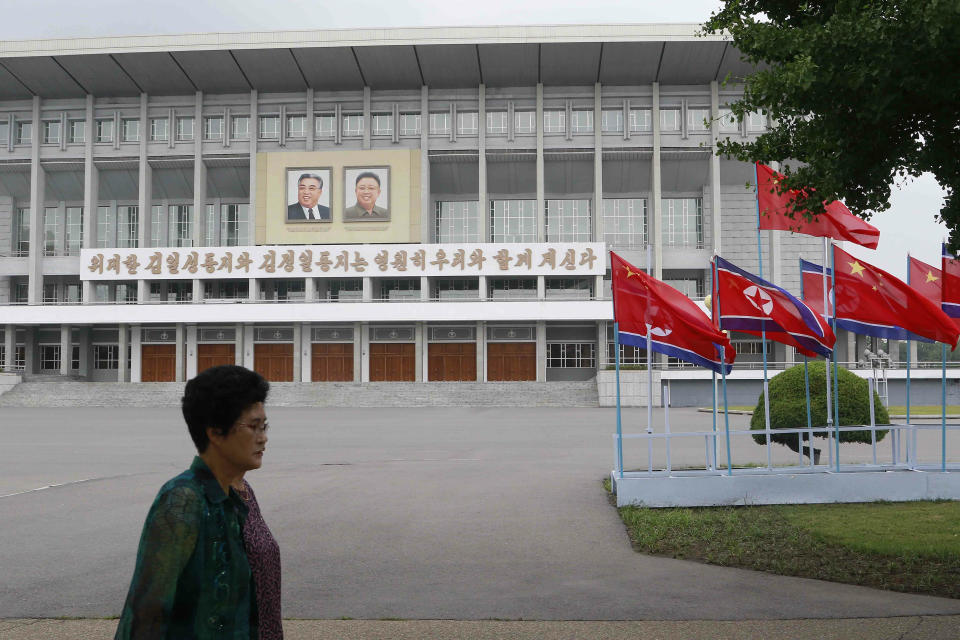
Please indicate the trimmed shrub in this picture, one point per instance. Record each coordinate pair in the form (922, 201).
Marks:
(788, 407)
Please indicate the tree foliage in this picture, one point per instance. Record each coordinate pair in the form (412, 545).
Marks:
(865, 93)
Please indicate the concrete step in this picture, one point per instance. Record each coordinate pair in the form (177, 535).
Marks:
(50, 393)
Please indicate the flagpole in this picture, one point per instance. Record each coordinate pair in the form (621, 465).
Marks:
(836, 381)
(826, 360)
(763, 330)
(806, 388)
(649, 382)
(616, 343)
(714, 317)
(726, 406)
(943, 401)
(909, 269)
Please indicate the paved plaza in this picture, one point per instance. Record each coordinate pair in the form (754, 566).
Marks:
(418, 514)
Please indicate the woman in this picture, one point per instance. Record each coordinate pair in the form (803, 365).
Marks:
(196, 575)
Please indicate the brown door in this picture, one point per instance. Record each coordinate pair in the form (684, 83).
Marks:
(510, 361)
(332, 362)
(274, 361)
(159, 363)
(214, 355)
(452, 361)
(392, 362)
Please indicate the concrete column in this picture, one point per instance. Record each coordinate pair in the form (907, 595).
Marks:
(297, 356)
(192, 363)
(358, 351)
(29, 349)
(602, 345)
(426, 225)
(248, 346)
(37, 196)
(851, 347)
(180, 353)
(597, 213)
(9, 346)
(424, 289)
(197, 291)
(656, 228)
(775, 270)
(91, 196)
(913, 353)
(481, 351)
(254, 214)
(305, 346)
(483, 206)
(310, 125)
(367, 294)
(482, 287)
(421, 359)
(364, 353)
(123, 342)
(541, 351)
(367, 121)
(65, 349)
(199, 177)
(715, 204)
(252, 292)
(541, 227)
(84, 339)
(541, 288)
(309, 289)
(144, 178)
(238, 344)
(136, 353)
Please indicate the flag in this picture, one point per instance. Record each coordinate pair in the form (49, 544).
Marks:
(750, 304)
(928, 281)
(677, 326)
(884, 306)
(836, 222)
(950, 294)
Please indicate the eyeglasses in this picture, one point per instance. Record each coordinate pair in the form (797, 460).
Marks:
(256, 428)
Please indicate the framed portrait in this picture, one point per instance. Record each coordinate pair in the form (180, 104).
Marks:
(366, 194)
(308, 194)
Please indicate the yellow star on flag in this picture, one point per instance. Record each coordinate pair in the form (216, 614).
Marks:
(856, 268)
(931, 277)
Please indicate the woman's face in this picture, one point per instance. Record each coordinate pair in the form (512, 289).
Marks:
(244, 444)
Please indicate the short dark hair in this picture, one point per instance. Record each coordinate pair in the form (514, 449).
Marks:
(217, 397)
(312, 176)
(367, 174)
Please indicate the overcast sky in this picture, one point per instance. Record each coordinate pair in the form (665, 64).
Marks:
(908, 226)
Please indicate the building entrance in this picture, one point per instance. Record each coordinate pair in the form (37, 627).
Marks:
(511, 361)
(274, 361)
(214, 355)
(159, 363)
(332, 362)
(393, 362)
(452, 361)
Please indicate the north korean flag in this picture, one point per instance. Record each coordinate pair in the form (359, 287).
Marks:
(884, 306)
(678, 327)
(750, 304)
(950, 300)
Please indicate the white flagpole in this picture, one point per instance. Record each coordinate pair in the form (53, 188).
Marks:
(649, 383)
(826, 361)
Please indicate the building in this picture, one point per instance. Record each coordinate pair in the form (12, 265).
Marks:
(149, 224)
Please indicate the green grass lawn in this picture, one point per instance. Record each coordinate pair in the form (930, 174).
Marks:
(923, 409)
(906, 546)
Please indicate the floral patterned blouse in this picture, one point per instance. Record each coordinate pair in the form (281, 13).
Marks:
(263, 553)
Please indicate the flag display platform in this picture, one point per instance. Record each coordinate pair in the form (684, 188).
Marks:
(798, 486)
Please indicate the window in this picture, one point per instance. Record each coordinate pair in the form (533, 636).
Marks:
(513, 221)
(524, 122)
(611, 120)
(159, 130)
(353, 124)
(74, 230)
(400, 289)
(49, 357)
(568, 288)
(468, 123)
(751, 347)
(104, 224)
(213, 128)
(51, 232)
(297, 126)
(4, 132)
(78, 131)
(106, 356)
(233, 224)
(683, 222)
(73, 293)
(698, 119)
(501, 288)
(210, 233)
(458, 222)
(21, 293)
(409, 124)
(690, 287)
(458, 288)
(497, 123)
(670, 119)
(756, 121)
(325, 126)
(625, 223)
(440, 123)
(628, 354)
(51, 132)
(104, 130)
(269, 128)
(130, 130)
(728, 121)
(181, 225)
(568, 220)
(240, 127)
(640, 120)
(24, 132)
(581, 121)
(184, 129)
(382, 124)
(554, 121)
(21, 232)
(156, 226)
(128, 226)
(227, 289)
(571, 355)
(346, 290)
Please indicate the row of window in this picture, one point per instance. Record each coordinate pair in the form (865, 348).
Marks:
(555, 121)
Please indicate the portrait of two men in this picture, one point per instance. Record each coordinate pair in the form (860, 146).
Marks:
(366, 189)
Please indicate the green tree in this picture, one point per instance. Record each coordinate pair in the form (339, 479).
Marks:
(788, 407)
(864, 94)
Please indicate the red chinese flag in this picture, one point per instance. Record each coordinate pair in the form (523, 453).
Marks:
(881, 303)
(926, 279)
(836, 222)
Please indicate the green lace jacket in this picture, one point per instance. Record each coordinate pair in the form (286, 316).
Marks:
(191, 579)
